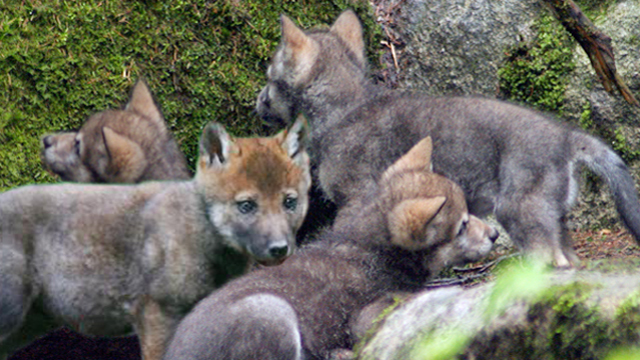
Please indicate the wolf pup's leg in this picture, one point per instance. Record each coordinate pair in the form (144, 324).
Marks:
(15, 298)
(154, 327)
(260, 326)
(535, 226)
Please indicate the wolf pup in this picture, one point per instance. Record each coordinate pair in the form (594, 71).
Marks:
(401, 232)
(511, 161)
(118, 146)
(108, 259)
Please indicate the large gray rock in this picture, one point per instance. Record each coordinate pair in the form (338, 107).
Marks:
(565, 315)
(457, 46)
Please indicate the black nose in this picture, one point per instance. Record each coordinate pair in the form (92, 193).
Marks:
(47, 141)
(278, 251)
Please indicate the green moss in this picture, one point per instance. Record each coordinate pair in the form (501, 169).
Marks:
(536, 73)
(586, 120)
(576, 329)
(204, 60)
(627, 317)
(594, 8)
(569, 326)
(620, 145)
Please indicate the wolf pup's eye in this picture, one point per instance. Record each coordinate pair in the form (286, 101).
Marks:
(463, 226)
(290, 202)
(247, 206)
(76, 146)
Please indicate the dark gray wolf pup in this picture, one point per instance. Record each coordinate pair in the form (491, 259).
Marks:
(118, 146)
(511, 161)
(398, 234)
(109, 259)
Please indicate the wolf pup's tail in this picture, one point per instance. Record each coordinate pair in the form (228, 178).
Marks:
(602, 160)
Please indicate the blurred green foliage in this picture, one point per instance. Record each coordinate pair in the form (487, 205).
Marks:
(61, 61)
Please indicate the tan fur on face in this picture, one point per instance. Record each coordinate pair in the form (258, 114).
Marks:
(409, 221)
(256, 165)
(124, 154)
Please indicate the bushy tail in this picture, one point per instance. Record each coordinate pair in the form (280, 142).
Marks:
(602, 160)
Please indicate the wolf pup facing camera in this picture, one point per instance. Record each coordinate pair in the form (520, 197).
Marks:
(109, 259)
(398, 234)
(510, 161)
(118, 146)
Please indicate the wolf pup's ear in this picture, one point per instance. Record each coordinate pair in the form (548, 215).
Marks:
(418, 158)
(409, 222)
(349, 29)
(298, 47)
(126, 158)
(295, 142)
(215, 145)
(141, 102)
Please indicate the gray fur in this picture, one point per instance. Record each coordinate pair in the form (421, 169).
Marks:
(309, 301)
(107, 260)
(510, 161)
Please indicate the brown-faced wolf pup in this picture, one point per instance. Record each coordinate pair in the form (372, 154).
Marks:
(108, 259)
(118, 146)
(399, 233)
(510, 161)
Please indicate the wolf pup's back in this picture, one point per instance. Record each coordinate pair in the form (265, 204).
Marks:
(509, 160)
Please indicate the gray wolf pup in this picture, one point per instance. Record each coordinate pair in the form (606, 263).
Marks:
(395, 237)
(108, 259)
(118, 146)
(510, 161)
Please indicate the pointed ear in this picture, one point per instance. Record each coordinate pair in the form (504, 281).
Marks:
(298, 47)
(295, 141)
(141, 102)
(126, 158)
(408, 222)
(349, 29)
(419, 157)
(215, 146)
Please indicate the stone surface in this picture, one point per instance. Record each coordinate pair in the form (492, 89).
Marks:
(524, 324)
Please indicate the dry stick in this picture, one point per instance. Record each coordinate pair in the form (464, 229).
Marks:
(596, 43)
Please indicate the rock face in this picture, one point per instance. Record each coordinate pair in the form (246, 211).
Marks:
(458, 46)
(574, 315)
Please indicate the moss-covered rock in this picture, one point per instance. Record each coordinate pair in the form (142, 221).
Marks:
(205, 60)
(530, 315)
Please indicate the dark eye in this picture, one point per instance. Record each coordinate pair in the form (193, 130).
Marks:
(290, 203)
(76, 146)
(463, 227)
(247, 206)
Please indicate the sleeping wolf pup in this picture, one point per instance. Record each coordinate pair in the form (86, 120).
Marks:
(510, 161)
